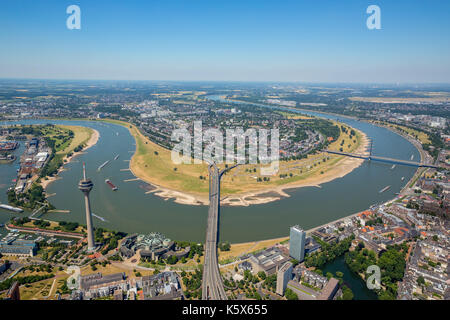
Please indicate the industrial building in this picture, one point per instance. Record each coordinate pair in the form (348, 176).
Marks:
(269, 260)
(97, 279)
(21, 248)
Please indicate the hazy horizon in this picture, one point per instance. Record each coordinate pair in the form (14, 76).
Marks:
(234, 81)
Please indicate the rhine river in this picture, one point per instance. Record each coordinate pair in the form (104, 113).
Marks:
(131, 209)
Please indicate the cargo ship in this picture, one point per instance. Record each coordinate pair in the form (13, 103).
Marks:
(109, 183)
(116, 157)
(384, 189)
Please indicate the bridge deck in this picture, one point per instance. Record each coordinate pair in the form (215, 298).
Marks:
(212, 285)
(382, 159)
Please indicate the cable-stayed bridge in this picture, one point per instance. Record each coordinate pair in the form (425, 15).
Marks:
(371, 157)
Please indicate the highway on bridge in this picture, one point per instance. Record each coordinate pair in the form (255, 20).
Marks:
(212, 285)
(383, 159)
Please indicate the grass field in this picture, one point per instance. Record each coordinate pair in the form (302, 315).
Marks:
(153, 163)
(419, 135)
(115, 268)
(67, 139)
(59, 134)
(81, 136)
(293, 116)
(64, 141)
(54, 226)
(44, 289)
(59, 139)
(37, 290)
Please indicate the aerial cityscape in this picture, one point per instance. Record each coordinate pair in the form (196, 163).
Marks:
(154, 183)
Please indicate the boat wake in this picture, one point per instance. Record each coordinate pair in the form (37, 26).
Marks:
(100, 218)
(102, 165)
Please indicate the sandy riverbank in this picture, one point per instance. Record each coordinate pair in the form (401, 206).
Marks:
(342, 168)
(272, 193)
(178, 197)
(88, 144)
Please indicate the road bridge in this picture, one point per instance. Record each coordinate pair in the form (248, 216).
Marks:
(383, 159)
(212, 285)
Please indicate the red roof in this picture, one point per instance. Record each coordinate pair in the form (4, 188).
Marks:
(95, 255)
(400, 230)
(365, 213)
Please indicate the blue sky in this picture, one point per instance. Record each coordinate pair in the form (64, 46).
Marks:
(301, 40)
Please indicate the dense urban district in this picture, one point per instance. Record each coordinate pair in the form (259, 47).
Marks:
(406, 238)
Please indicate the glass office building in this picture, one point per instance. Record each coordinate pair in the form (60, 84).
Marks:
(297, 243)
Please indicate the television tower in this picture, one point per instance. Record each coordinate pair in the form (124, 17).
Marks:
(85, 186)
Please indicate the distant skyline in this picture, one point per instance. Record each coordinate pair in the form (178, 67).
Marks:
(247, 40)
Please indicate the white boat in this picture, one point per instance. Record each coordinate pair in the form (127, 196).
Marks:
(103, 164)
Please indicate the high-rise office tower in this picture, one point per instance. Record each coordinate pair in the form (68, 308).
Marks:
(284, 274)
(85, 186)
(297, 243)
